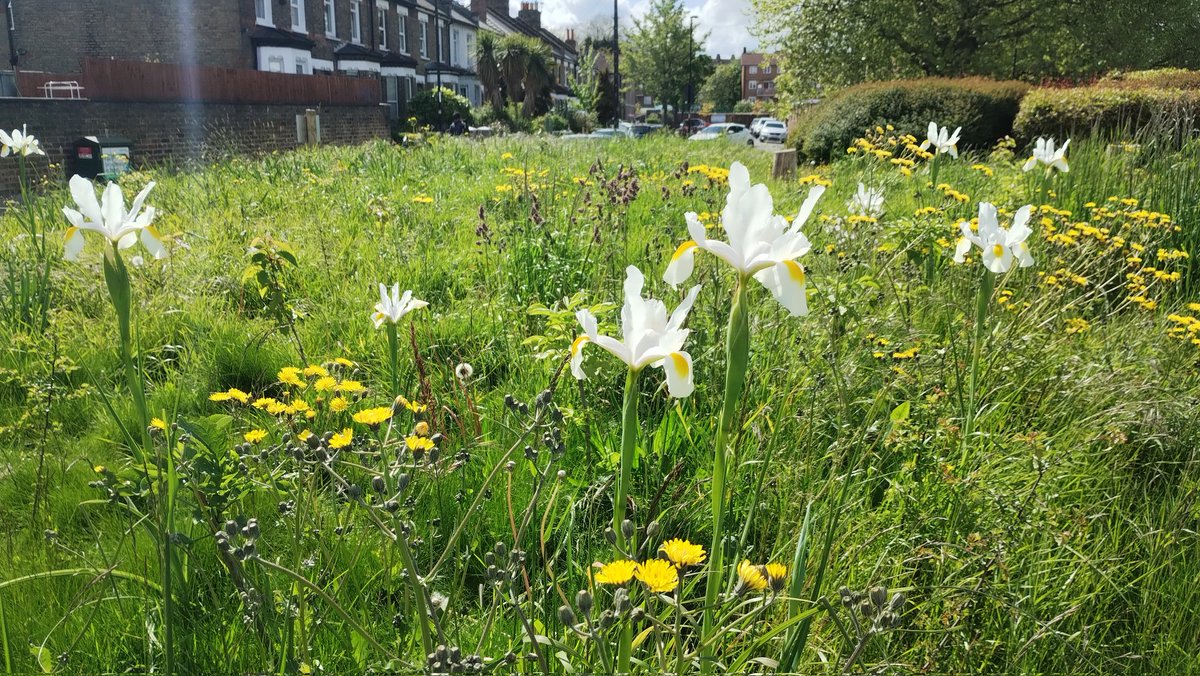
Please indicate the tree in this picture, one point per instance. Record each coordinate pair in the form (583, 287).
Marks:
(585, 81)
(663, 54)
(723, 88)
(848, 41)
(608, 100)
(489, 70)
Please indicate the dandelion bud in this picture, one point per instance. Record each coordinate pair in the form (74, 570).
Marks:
(252, 528)
(510, 466)
(421, 429)
(878, 596)
(652, 530)
(584, 600)
(866, 609)
(438, 438)
(888, 619)
(231, 528)
(391, 506)
(510, 657)
(489, 558)
(897, 602)
(377, 484)
(637, 614)
(566, 616)
(562, 474)
(398, 404)
(627, 529)
(621, 600)
(610, 535)
(510, 401)
(402, 481)
(501, 550)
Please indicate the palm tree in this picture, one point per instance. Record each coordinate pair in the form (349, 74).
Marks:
(513, 57)
(537, 82)
(489, 69)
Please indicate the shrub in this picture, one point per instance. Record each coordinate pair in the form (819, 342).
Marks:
(1109, 110)
(1161, 78)
(424, 107)
(553, 122)
(985, 109)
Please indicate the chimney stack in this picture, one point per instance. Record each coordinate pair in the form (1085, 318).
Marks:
(531, 13)
(570, 38)
(479, 8)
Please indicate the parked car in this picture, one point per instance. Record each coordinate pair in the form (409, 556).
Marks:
(772, 131)
(726, 130)
(691, 126)
(755, 124)
(639, 130)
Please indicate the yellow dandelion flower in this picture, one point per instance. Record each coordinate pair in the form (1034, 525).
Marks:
(158, 423)
(1077, 325)
(300, 405)
(421, 429)
(290, 375)
(350, 386)
(264, 402)
(683, 553)
(345, 362)
(338, 404)
(373, 416)
(255, 436)
(777, 574)
(278, 408)
(617, 572)
(342, 439)
(751, 576)
(658, 575)
(314, 370)
(413, 406)
(416, 443)
(325, 384)
(304, 435)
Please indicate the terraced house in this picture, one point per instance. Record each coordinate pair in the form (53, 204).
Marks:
(396, 41)
(493, 15)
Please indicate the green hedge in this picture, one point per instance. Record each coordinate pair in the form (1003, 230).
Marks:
(985, 109)
(1109, 111)
(1160, 78)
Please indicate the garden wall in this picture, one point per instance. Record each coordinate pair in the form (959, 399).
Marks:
(164, 133)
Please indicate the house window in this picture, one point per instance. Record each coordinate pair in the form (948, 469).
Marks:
(470, 51)
(754, 70)
(453, 46)
(275, 64)
(301, 66)
(402, 43)
(262, 11)
(298, 15)
(753, 85)
(381, 13)
(424, 38)
(355, 22)
(330, 19)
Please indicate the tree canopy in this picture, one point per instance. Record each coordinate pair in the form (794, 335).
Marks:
(723, 89)
(832, 43)
(663, 56)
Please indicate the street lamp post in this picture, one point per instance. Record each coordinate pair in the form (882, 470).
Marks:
(620, 107)
(437, 28)
(691, 103)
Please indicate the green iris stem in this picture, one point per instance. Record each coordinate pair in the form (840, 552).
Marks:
(934, 165)
(986, 286)
(737, 358)
(629, 430)
(116, 278)
(394, 355)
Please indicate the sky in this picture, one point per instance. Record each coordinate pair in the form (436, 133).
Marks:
(726, 21)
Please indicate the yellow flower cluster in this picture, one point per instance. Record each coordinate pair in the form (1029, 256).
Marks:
(815, 179)
(716, 174)
(758, 578)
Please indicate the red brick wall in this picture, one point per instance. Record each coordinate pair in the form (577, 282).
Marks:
(174, 132)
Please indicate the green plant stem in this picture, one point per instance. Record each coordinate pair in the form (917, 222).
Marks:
(737, 358)
(629, 428)
(4, 638)
(986, 286)
(394, 355)
(418, 590)
(934, 166)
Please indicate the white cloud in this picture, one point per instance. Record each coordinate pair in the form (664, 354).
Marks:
(726, 21)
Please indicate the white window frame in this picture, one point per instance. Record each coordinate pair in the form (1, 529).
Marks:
(275, 64)
(402, 33)
(470, 50)
(356, 21)
(424, 36)
(262, 19)
(301, 66)
(753, 85)
(299, 24)
(381, 13)
(454, 42)
(754, 70)
(330, 19)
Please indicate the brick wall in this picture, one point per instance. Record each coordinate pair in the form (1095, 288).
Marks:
(55, 36)
(174, 132)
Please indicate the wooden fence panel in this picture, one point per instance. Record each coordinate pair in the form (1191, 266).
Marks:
(112, 80)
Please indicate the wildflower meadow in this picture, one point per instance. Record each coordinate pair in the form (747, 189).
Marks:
(526, 405)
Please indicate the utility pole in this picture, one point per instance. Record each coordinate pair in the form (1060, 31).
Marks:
(617, 69)
(691, 97)
(437, 29)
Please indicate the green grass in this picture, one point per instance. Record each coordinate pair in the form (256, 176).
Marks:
(1065, 544)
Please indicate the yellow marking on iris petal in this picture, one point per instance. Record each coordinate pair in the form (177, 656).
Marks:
(795, 271)
(71, 231)
(153, 232)
(683, 248)
(678, 363)
(578, 343)
(997, 251)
